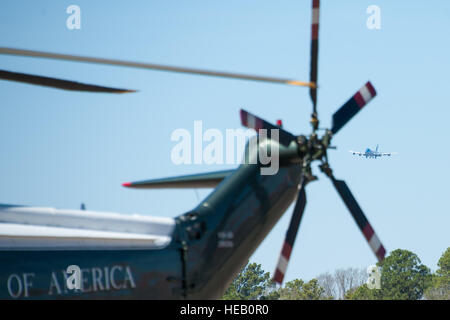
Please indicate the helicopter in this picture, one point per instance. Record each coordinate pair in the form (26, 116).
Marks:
(197, 254)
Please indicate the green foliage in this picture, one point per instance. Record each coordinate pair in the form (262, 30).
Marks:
(440, 286)
(403, 277)
(299, 290)
(271, 292)
(362, 293)
(250, 284)
(292, 290)
(253, 283)
(444, 266)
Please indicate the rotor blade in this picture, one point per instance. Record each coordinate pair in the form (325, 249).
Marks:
(352, 106)
(201, 180)
(314, 52)
(140, 65)
(253, 122)
(291, 234)
(360, 218)
(57, 83)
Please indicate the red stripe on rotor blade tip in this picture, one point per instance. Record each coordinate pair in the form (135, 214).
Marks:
(368, 232)
(286, 251)
(371, 89)
(315, 32)
(315, 20)
(126, 184)
(250, 121)
(381, 253)
(364, 95)
(278, 277)
(359, 100)
(244, 115)
(258, 124)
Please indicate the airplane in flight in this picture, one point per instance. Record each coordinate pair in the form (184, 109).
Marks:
(372, 153)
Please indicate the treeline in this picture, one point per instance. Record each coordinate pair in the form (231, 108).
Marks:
(402, 276)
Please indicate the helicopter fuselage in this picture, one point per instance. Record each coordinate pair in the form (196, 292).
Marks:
(208, 247)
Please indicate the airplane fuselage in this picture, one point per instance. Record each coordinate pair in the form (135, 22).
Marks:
(372, 154)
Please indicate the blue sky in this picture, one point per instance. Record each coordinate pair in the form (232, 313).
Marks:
(62, 148)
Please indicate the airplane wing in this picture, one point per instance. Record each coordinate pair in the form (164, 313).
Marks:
(356, 152)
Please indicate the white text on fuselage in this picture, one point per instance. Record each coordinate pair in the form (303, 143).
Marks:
(95, 279)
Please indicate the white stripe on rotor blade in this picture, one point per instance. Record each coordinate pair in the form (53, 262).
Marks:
(365, 93)
(315, 16)
(375, 243)
(251, 121)
(282, 264)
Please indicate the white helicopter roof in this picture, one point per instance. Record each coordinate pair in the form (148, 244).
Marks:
(39, 228)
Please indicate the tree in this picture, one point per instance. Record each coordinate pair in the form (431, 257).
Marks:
(292, 290)
(250, 284)
(253, 283)
(362, 293)
(347, 279)
(299, 290)
(403, 277)
(328, 283)
(338, 284)
(440, 286)
(444, 266)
